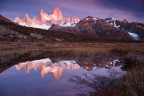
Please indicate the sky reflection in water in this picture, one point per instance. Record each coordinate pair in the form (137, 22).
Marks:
(45, 78)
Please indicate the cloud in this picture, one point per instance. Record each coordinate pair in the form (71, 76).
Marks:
(133, 6)
(119, 9)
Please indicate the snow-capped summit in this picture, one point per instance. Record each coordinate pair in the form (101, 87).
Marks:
(18, 20)
(113, 22)
(41, 15)
(110, 19)
(45, 20)
(90, 19)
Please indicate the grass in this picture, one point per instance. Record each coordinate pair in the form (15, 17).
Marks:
(133, 83)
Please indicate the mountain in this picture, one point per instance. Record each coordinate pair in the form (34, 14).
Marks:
(10, 31)
(87, 29)
(106, 29)
(45, 20)
(57, 12)
(46, 66)
(135, 29)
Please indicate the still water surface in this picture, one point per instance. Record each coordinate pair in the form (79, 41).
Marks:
(45, 78)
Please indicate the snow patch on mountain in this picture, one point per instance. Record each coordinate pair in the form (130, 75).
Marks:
(112, 21)
(115, 25)
(44, 26)
(45, 20)
(134, 35)
(67, 62)
(95, 19)
(67, 24)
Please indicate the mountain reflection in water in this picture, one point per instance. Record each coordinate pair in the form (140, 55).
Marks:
(45, 66)
(68, 75)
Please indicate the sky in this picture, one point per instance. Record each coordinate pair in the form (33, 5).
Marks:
(131, 10)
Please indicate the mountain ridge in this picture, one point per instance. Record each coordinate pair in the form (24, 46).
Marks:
(45, 20)
(109, 28)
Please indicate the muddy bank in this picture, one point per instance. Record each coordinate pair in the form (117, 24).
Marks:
(84, 59)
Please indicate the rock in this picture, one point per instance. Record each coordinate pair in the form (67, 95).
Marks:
(8, 34)
(34, 35)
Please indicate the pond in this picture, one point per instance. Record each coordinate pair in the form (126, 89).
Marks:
(46, 78)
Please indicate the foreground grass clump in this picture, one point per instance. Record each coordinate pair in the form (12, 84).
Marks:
(135, 59)
(133, 83)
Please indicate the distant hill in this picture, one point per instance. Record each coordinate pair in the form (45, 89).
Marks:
(5, 19)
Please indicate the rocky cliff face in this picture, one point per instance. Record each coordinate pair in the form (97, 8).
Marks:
(102, 29)
(45, 20)
(99, 28)
(57, 12)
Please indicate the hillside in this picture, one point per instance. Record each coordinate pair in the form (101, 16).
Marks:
(5, 19)
(106, 29)
(10, 31)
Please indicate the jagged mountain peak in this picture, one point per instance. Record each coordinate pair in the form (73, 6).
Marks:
(26, 15)
(42, 12)
(125, 21)
(45, 20)
(57, 12)
(57, 8)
